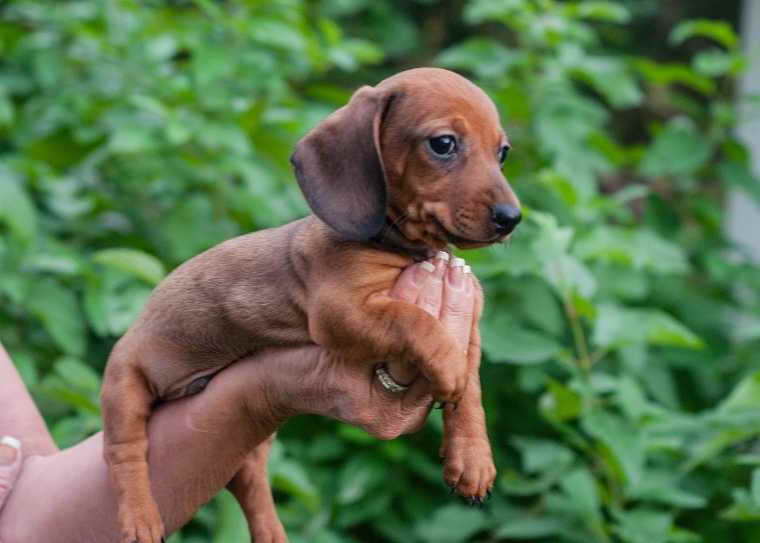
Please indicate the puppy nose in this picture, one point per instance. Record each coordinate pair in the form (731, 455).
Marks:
(505, 217)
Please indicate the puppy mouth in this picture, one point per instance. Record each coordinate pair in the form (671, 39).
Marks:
(464, 242)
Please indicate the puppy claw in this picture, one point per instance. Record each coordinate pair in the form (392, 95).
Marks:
(472, 501)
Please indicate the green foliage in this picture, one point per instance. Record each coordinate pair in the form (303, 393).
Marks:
(621, 377)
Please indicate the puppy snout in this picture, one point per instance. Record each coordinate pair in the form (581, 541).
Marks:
(505, 218)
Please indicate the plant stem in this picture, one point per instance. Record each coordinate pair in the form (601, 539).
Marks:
(579, 336)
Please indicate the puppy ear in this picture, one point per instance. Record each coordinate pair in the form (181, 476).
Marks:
(340, 169)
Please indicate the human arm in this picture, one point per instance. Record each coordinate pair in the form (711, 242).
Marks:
(67, 497)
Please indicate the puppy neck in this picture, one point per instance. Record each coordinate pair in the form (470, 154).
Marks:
(391, 239)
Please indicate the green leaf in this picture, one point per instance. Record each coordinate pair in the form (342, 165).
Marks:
(739, 176)
(540, 455)
(622, 440)
(612, 78)
(662, 329)
(671, 74)
(360, 476)
(26, 367)
(617, 326)
(529, 527)
(193, 226)
(755, 487)
(745, 395)
(451, 524)
(662, 487)
(16, 208)
(581, 487)
(73, 384)
(6, 109)
(743, 508)
(131, 138)
(78, 374)
(132, 261)
(641, 249)
(716, 63)
(230, 521)
(289, 476)
(478, 11)
(113, 300)
(678, 150)
(71, 430)
(633, 401)
(541, 307)
(58, 309)
(505, 341)
(719, 31)
(485, 57)
(601, 11)
(560, 403)
(563, 271)
(644, 526)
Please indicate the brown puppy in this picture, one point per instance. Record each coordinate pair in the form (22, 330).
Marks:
(406, 167)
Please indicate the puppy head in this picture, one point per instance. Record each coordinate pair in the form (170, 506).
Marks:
(422, 151)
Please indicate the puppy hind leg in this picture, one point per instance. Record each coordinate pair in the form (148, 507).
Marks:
(126, 402)
(250, 486)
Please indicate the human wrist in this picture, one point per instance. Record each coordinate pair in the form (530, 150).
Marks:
(269, 387)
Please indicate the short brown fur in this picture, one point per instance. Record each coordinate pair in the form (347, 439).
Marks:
(381, 199)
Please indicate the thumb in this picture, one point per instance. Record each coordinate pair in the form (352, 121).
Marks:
(10, 465)
(418, 397)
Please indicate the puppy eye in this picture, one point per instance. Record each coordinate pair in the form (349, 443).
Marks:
(503, 153)
(443, 145)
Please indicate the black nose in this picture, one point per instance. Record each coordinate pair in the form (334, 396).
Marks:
(505, 217)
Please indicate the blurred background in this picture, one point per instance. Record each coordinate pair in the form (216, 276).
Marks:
(621, 373)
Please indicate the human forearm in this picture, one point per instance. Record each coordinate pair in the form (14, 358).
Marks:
(196, 445)
(19, 416)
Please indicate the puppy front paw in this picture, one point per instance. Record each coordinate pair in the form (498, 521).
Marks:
(468, 468)
(448, 377)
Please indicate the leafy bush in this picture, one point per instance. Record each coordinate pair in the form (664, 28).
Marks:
(621, 381)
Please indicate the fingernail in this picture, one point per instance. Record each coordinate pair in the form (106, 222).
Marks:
(427, 266)
(457, 263)
(422, 272)
(467, 269)
(9, 447)
(441, 266)
(442, 255)
(456, 277)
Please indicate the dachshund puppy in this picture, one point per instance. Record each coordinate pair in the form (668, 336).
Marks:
(405, 169)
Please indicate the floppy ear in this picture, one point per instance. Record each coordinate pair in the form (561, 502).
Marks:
(340, 169)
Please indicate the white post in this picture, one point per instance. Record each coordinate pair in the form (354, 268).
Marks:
(743, 218)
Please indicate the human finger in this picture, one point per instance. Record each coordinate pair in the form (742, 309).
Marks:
(10, 465)
(431, 293)
(458, 301)
(412, 280)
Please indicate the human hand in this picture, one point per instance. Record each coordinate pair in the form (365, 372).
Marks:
(313, 380)
(10, 465)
